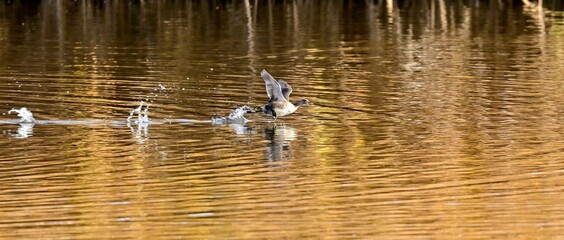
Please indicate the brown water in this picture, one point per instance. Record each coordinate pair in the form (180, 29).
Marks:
(430, 120)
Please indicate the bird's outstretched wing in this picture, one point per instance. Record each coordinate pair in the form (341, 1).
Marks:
(286, 89)
(273, 88)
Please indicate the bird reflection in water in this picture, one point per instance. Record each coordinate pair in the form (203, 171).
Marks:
(279, 137)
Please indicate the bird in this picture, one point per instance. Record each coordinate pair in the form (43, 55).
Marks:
(279, 104)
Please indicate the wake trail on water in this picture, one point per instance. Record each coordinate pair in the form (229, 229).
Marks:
(138, 116)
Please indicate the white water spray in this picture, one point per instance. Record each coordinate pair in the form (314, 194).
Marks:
(26, 115)
(142, 122)
(142, 116)
(235, 117)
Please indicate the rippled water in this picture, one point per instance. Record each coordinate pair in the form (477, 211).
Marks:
(430, 120)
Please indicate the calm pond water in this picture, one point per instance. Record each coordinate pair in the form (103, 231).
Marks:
(430, 120)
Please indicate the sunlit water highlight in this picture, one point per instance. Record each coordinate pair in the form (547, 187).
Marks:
(432, 119)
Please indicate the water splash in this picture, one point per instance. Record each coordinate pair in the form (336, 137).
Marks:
(142, 122)
(26, 115)
(24, 131)
(239, 113)
(142, 116)
(235, 117)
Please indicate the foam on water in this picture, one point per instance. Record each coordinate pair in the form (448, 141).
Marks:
(26, 115)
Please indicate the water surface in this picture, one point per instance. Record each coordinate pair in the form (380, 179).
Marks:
(430, 120)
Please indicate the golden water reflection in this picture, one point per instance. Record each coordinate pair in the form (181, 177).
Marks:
(431, 119)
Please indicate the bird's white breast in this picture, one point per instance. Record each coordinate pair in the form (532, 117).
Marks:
(290, 108)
